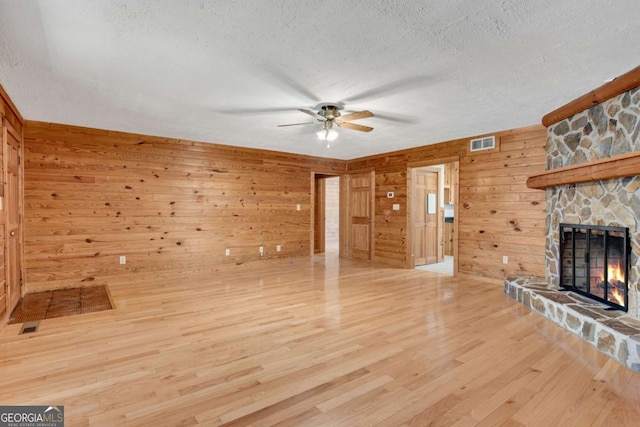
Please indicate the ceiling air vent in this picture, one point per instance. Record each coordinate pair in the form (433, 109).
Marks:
(485, 143)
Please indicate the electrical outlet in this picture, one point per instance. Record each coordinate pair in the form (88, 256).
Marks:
(297, 207)
(123, 259)
(278, 248)
(227, 252)
(261, 249)
(505, 259)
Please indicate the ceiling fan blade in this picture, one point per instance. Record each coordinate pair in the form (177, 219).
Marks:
(354, 126)
(312, 114)
(355, 116)
(298, 124)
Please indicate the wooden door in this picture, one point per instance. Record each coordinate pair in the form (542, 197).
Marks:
(425, 211)
(360, 214)
(12, 207)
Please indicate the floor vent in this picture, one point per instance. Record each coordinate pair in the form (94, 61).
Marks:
(29, 327)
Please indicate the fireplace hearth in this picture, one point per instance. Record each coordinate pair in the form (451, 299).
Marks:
(594, 262)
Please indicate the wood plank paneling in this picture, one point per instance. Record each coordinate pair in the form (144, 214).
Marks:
(92, 196)
(390, 235)
(497, 214)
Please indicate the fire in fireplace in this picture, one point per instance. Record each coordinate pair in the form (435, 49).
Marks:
(595, 262)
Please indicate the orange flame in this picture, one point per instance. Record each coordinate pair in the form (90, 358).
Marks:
(614, 274)
(616, 297)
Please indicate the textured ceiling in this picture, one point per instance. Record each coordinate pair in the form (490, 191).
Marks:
(230, 71)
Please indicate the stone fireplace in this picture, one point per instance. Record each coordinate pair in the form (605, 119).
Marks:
(598, 136)
(605, 130)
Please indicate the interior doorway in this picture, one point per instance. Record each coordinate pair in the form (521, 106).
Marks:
(326, 218)
(332, 214)
(425, 216)
(433, 220)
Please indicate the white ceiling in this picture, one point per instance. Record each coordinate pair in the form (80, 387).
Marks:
(229, 71)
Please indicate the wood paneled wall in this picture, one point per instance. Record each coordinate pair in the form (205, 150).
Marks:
(391, 227)
(174, 206)
(169, 206)
(497, 214)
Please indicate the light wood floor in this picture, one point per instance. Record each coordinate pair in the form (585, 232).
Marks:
(315, 343)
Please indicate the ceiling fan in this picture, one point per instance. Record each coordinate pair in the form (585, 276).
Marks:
(329, 115)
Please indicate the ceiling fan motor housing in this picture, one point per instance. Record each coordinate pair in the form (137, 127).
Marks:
(330, 112)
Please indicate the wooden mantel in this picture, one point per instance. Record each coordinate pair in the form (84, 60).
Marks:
(615, 87)
(620, 166)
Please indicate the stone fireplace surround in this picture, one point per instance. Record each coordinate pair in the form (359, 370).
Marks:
(606, 130)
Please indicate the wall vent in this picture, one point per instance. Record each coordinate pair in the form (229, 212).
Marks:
(485, 143)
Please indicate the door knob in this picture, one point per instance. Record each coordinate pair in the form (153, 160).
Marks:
(12, 233)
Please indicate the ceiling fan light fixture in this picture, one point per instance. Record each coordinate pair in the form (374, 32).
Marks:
(327, 135)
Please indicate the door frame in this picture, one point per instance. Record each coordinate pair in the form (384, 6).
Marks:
(410, 187)
(321, 204)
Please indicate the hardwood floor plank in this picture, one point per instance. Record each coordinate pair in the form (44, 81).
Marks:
(322, 342)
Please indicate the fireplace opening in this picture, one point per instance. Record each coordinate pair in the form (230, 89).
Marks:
(595, 262)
